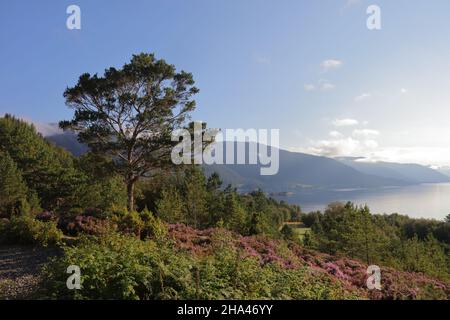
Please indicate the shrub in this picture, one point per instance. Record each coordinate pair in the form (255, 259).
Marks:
(46, 216)
(13, 190)
(154, 228)
(86, 224)
(129, 222)
(24, 229)
(117, 266)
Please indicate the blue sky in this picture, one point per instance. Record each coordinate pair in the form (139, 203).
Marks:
(310, 68)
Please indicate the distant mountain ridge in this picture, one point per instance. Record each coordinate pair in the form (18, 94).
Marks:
(68, 141)
(408, 172)
(303, 171)
(445, 171)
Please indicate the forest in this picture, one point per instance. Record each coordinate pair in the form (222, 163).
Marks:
(139, 227)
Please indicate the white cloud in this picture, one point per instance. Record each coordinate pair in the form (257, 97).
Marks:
(309, 87)
(427, 146)
(345, 122)
(348, 147)
(436, 156)
(47, 129)
(362, 97)
(361, 142)
(326, 86)
(335, 134)
(371, 144)
(331, 64)
(365, 133)
(371, 151)
(322, 85)
(338, 147)
(403, 90)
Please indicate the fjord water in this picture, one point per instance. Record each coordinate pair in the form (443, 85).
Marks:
(430, 201)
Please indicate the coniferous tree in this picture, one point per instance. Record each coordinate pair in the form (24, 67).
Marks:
(235, 216)
(47, 170)
(170, 206)
(129, 114)
(195, 197)
(13, 190)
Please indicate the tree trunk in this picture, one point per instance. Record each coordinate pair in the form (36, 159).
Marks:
(130, 193)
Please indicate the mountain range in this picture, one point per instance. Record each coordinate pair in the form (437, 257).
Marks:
(300, 171)
(304, 171)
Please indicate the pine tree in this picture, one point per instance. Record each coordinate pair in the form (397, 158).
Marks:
(13, 190)
(235, 214)
(447, 218)
(129, 114)
(170, 206)
(46, 169)
(195, 197)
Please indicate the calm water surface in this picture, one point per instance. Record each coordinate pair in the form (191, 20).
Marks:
(418, 201)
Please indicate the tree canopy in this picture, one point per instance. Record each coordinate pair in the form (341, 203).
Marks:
(129, 114)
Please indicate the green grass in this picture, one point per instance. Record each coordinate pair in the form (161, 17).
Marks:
(298, 229)
(300, 232)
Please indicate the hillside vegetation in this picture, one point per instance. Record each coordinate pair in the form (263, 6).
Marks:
(193, 238)
(140, 227)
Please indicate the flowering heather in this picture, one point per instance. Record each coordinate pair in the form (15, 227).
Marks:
(350, 273)
(46, 216)
(86, 224)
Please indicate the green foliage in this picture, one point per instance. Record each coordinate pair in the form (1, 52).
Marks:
(154, 227)
(24, 229)
(265, 216)
(309, 219)
(143, 225)
(170, 206)
(13, 190)
(191, 198)
(117, 267)
(195, 195)
(121, 267)
(103, 192)
(129, 222)
(394, 240)
(230, 275)
(288, 233)
(129, 114)
(47, 170)
(235, 216)
(425, 256)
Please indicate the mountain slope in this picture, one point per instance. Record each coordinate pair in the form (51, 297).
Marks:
(411, 173)
(298, 170)
(68, 141)
(350, 273)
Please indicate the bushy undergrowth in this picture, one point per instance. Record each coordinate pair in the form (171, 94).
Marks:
(123, 267)
(185, 263)
(25, 229)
